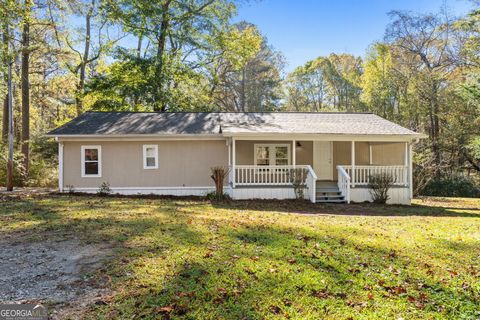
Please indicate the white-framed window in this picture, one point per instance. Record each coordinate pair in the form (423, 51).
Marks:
(272, 154)
(91, 161)
(150, 156)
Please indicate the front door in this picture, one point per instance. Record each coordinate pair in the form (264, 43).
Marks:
(322, 159)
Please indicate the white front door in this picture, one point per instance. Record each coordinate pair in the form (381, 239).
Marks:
(322, 159)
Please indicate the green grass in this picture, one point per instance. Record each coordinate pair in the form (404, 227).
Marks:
(191, 259)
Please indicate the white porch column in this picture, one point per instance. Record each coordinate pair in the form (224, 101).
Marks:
(60, 166)
(353, 164)
(234, 155)
(370, 153)
(410, 169)
(229, 144)
(406, 164)
(294, 153)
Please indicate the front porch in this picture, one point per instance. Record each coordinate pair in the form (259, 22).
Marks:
(332, 171)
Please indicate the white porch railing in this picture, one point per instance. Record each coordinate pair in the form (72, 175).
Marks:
(275, 176)
(344, 183)
(361, 176)
(266, 175)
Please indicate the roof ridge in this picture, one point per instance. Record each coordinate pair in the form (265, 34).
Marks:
(229, 112)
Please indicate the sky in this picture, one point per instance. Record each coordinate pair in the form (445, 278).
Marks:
(305, 29)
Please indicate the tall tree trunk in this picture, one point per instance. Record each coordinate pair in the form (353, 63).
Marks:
(435, 131)
(84, 62)
(243, 91)
(9, 181)
(26, 89)
(160, 103)
(5, 100)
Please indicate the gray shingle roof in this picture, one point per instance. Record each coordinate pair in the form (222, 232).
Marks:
(131, 123)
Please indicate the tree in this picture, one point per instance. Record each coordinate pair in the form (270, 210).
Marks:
(25, 85)
(178, 34)
(380, 91)
(423, 42)
(307, 87)
(326, 83)
(246, 72)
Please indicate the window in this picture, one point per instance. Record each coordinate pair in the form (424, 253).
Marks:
(272, 154)
(150, 156)
(91, 161)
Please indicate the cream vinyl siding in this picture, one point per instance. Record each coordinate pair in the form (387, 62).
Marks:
(180, 164)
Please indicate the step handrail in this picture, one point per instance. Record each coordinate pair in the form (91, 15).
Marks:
(344, 182)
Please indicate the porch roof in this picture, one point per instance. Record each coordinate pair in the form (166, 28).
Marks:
(228, 124)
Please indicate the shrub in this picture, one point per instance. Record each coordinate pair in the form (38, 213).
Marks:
(451, 185)
(219, 173)
(43, 170)
(70, 188)
(215, 196)
(298, 178)
(379, 185)
(104, 189)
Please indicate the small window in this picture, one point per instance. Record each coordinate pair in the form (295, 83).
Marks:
(272, 154)
(91, 161)
(150, 156)
(281, 156)
(263, 156)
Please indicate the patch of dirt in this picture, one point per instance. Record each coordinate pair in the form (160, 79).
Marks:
(60, 273)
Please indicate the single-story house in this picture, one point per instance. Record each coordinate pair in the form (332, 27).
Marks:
(173, 153)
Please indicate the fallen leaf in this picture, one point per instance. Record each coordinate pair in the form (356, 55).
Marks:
(275, 309)
(166, 309)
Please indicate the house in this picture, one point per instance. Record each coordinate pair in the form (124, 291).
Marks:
(172, 153)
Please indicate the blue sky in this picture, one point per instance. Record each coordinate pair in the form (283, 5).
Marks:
(305, 29)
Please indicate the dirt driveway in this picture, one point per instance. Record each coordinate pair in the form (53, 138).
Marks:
(61, 273)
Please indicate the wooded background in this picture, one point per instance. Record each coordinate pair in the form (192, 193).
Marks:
(70, 56)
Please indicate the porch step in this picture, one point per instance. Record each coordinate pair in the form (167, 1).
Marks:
(327, 190)
(328, 193)
(330, 201)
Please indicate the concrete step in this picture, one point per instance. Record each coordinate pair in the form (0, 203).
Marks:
(331, 197)
(330, 201)
(327, 190)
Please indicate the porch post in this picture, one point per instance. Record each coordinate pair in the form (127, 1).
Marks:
(370, 154)
(234, 155)
(353, 164)
(406, 164)
(294, 153)
(229, 144)
(410, 169)
(60, 166)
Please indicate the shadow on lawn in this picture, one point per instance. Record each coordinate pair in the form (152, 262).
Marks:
(354, 209)
(247, 270)
(271, 271)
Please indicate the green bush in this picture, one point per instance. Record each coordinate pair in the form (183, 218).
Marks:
(379, 185)
(215, 196)
(451, 185)
(43, 170)
(104, 189)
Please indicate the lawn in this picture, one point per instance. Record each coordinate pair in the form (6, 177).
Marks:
(191, 259)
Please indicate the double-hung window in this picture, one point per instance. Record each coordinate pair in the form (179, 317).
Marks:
(150, 156)
(272, 154)
(91, 161)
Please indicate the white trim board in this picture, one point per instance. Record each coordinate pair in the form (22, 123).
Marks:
(167, 191)
(60, 166)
